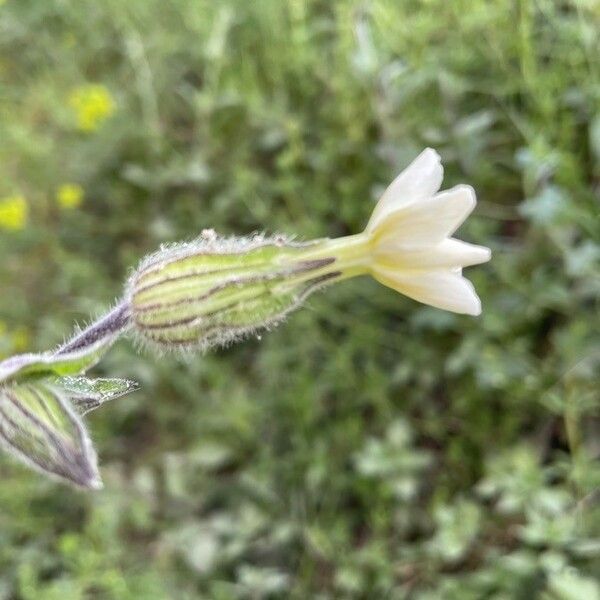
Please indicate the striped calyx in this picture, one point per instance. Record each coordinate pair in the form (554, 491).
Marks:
(212, 291)
(39, 427)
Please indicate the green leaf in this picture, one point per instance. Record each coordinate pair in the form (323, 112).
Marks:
(88, 394)
(38, 426)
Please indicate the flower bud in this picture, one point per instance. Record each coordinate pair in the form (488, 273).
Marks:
(212, 291)
(39, 427)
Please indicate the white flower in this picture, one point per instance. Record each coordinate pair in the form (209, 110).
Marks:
(410, 229)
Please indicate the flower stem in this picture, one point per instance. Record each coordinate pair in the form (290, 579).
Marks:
(106, 329)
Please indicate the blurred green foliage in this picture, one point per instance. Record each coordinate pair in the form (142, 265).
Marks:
(370, 447)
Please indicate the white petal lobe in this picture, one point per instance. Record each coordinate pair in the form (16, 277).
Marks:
(442, 289)
(421, 179)
(429, 221)
(448, 253)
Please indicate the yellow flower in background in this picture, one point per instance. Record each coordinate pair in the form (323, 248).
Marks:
(69, 196)
(93, 104)
(13, 212)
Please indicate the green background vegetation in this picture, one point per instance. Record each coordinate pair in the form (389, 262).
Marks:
(370, 447)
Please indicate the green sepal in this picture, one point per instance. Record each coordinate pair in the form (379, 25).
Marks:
(88, 394)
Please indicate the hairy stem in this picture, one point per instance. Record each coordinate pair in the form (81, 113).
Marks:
(106, 329)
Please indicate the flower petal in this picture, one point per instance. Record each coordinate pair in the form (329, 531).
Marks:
(443, 289)
(448, 253)
(421, 179)
(428, 221)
